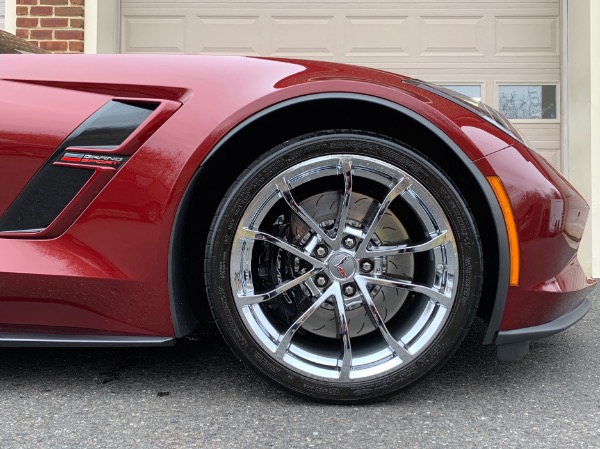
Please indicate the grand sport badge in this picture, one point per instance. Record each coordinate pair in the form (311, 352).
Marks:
(93, 159)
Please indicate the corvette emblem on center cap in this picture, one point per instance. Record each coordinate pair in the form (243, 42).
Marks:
(342, 266)
(340, 269)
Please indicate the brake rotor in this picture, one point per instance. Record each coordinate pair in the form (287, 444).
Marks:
(323, 208)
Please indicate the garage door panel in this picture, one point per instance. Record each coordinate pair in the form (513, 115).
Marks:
(2, 23)
(485, 42)
(543, 135)
(215, 34)
(452, 36)
(375, 36)
(345, 32)
(439, 4)
(552, 156)
(527, 36)
(301, 35)
(545, 138)
(154, 34)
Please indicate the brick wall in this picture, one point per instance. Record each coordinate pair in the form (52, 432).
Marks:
(54, 25)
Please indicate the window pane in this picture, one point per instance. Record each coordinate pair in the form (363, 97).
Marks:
(470, 90)
(527, 102)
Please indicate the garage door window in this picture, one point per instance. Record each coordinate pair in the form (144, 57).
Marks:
(528, 101)
(470, 90)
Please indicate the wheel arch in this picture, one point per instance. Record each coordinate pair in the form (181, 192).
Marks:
(310, 113)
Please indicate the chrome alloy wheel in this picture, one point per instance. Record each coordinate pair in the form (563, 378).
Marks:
(344, 267)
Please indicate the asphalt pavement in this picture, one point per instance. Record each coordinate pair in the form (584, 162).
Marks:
(197, 395)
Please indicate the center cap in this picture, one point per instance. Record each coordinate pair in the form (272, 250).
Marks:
(342, 266)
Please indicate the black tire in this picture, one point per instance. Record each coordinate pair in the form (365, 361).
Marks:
(418, 215)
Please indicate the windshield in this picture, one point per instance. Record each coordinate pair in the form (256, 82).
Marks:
(9, 43)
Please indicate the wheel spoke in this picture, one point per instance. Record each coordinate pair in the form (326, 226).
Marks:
(346, 166)
(250, 297)
(398, 189)
(286, 339)
(436, 239)
(385, 281)
(345, 364)
(379, 323)
(251, 234)
(285, 192)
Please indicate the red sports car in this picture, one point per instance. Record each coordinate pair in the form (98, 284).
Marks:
(344, 225)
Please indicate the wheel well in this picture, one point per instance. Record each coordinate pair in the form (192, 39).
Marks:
(268, 129)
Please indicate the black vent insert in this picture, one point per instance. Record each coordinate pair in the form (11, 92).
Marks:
(46, 196)
(111, 124)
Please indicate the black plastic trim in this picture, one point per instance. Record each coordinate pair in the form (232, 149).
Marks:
(182, 314)
(545, 330)
(110, 125)
(503, 254)
(44, 198)
(52, 340)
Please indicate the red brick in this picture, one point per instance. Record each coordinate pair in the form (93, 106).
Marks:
(40, 11)
(54, 23)
(23, 22)
(22, 33)
(54, 45)
(69, 35)
(76, 46)
(41, 34)
(76, 23)
(68, 11)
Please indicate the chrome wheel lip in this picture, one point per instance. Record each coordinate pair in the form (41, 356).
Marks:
(396, 351)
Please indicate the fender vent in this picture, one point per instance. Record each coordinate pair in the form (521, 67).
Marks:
(53, 187)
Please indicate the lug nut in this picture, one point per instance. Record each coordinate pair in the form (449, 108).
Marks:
(349, 241)
(321, 250)
(349, 289)
(366, 265)
(321, 280)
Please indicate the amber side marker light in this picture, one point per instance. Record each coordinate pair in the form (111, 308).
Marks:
(511, 228)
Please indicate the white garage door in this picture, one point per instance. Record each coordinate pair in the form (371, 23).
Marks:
(507, 53)
(2, 15)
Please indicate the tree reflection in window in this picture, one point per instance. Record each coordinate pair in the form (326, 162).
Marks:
(527, 101)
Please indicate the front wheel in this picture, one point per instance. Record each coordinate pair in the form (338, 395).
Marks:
(343, 266)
